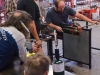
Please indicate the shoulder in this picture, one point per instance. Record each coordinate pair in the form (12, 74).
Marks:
(51, 10)
(14, 32)
(67, 7)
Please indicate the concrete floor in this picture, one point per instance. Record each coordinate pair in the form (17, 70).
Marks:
(95, 70)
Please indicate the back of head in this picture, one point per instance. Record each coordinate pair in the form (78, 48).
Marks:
(15, 18)
(56, 2)
(37, 64)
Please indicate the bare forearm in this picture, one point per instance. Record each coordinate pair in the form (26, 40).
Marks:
(34, 31)
(52, 25)
(83, 17)
(58, 28)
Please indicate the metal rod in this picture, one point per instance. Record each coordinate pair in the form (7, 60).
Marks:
(55, 37)
(26, 29)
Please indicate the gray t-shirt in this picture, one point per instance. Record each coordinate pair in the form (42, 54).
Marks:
(59, 18)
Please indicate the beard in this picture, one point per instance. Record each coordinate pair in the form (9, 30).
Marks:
(59, 11)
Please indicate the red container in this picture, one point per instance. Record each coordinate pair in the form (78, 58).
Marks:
(88, 12)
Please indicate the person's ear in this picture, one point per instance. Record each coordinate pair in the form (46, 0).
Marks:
(24, 72)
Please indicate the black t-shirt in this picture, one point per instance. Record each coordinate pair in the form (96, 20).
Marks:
(59, 18)
(32, 8)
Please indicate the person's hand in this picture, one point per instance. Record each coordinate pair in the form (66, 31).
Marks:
(38, 42)
(41, 17)
(34, 48)
(59, 29)
(95, 22)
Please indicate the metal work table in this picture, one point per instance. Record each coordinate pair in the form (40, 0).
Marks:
(48, 39)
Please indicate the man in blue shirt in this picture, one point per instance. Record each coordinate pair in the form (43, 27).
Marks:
(58, 16)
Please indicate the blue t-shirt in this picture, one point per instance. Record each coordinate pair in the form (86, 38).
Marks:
(59, 18)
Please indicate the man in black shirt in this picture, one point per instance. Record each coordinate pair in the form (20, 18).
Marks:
(32, 8)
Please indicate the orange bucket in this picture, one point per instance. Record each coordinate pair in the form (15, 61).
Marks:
(93, 10)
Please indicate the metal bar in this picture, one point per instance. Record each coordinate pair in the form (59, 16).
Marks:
(95, 48)
(50, 48)
(90, 49)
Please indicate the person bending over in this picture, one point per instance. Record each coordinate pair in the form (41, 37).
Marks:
(12, 37)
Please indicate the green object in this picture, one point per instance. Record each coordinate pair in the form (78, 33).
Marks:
(58, 67)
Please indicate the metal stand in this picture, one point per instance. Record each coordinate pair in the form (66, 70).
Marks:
(92, 47)
(50, 49)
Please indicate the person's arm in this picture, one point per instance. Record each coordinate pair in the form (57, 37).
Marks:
(85, 18)
(76, 14)
(58, 28)
(22, 49)
(49, 22)
(32, 29)
(31, 10)
(34, 33)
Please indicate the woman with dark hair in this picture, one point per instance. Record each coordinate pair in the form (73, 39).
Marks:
(12, 37)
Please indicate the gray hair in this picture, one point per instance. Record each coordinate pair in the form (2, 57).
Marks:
(15, 18)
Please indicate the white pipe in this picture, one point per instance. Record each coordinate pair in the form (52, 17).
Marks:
(55, 37)
(25, 28)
